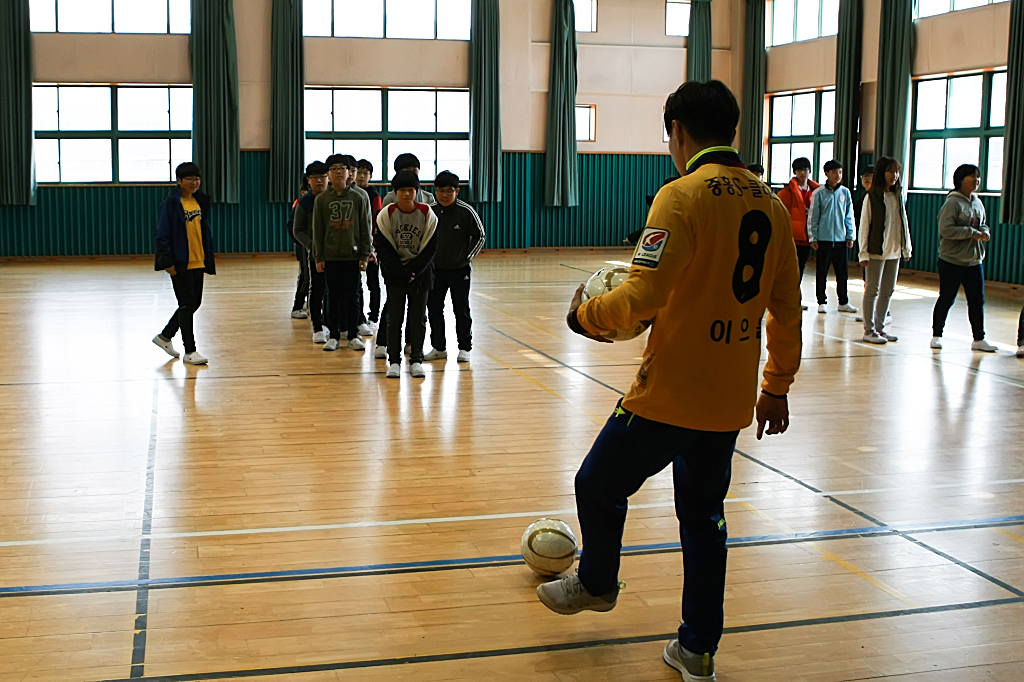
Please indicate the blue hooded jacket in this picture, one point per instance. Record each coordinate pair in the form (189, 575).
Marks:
(172, 233)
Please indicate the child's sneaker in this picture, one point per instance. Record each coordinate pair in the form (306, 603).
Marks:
(935, 343)
(984, 346)
(568, 596)
(332, 344)
(875, 338)
(356, 343)
(320, 337)
(821, 308)
(463, 356)
(435, 354)
(300, 314)
(694, 667)
(194, 358)
(847, 308)
(891, 338)
(365, 330)
(394, 371)
(380, 352)
(417, 370)
(166, 346)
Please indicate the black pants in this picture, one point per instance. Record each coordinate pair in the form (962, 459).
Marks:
(302, 284)
(342, 298)
(802, 254)
(834, 254)
(188, 289)
(458, 282)
(951, 278)
(628, 451)
(317, 289)
(401, 297)
(373, 284)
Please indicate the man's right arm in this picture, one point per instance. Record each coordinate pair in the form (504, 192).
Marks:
(782, 327)
(301, 227)
(319, 230)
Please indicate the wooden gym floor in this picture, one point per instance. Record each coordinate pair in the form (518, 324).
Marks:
(290, 514)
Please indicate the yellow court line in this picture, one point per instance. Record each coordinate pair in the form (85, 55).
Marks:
(1010, 535)
(829, 556)
(543, 386)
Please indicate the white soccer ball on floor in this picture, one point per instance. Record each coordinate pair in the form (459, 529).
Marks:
(603, 281)
(549, 547)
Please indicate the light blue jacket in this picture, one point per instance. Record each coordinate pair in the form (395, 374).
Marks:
(831, 216)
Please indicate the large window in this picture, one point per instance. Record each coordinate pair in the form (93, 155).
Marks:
(379, 124)
(586, 123)
(800, 125)
(111, 134)
(586, 15)
(416, 19)
(111, 16)
(677, 17)
(929, 8)
(958, 120)
(795, 20)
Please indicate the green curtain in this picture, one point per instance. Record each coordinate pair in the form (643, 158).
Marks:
(215, 136)
(17, 180)
(288, 80)
(848, 58)
(755, 79)
(698, 43)
(895, 59)
(561, 175)
(485, 101)
(1013, 143)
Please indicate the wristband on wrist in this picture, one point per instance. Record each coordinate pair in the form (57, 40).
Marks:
(781, 397)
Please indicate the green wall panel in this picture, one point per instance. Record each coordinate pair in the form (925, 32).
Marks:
(1005, 259)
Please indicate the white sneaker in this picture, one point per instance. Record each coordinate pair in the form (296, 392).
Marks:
(859, 318)
(463, 356)
(888, 317)
(891, 338)
(417, 370)
(365, 330)
(694, 667)
(394, 371)
(166, 346)
(380, 352)
(821, 308)
(194, 358)
(936, 343)
(1020, 351)
(435, 354)
(568, 596)
(984, 346)
(874, 338)
(356, 343)
(332, 344)
(300, 314)
(320, 337)
(847, 308)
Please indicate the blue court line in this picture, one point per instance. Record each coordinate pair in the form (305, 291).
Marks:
(340, 571)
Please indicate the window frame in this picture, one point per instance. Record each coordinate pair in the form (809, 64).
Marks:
(770, 38)
(593, 16)
(384, 26)
(952, 8)
(593, 122)
(384, 135)
(817, 139)
(113, 23)
(983, 133)
(114, 135)
(677, 2)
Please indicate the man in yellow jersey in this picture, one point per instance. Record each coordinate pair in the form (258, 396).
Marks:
(717, 251)
(184, 248)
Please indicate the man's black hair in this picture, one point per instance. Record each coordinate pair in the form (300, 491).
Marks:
(447, 179)
(187, 170)
(350, 160)
(316, 168)
(964, 171)
(335, 159)
(406, 161)
(363, 164)
(404, 179)
(867, 170)
(832, 165)
(707, 111)
(800, 163)
(756, 169)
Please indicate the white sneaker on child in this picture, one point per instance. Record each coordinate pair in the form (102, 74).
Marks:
(394, 371)
(417, 370)
(463, 356)
(847, 308)
(319, 337)
(365, 330)
(435, 354)
(166, 346)
(332, 344)
(936, 343)
(356, 343)
(380, 352)
(984, 346)
(299, 314)
(821, 308)
(194, 358)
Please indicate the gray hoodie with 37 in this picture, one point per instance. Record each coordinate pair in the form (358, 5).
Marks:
(960, 219)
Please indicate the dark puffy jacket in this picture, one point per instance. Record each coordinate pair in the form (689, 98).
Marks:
(172, 233)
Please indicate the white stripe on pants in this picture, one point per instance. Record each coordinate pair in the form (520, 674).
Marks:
(878, 288)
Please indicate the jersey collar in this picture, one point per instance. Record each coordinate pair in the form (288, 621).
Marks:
(725, 155)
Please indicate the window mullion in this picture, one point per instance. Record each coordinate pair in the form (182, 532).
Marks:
(115, 174)
(384, 123)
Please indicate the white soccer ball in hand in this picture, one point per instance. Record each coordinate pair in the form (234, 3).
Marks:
(603, 281)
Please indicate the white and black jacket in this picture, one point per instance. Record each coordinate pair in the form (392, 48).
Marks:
(460, 235)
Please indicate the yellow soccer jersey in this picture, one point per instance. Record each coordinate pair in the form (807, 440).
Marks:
(193, 215)
(717, 251)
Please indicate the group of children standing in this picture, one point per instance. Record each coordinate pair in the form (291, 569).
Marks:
(422, 245)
